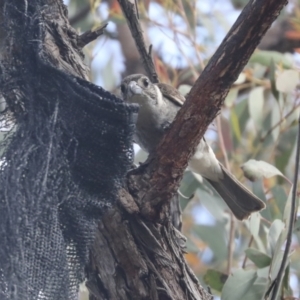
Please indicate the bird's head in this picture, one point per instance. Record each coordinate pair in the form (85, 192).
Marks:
(139, 89)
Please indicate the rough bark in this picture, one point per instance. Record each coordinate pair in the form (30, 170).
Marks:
(140, 260)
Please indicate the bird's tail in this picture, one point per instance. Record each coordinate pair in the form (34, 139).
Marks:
(240, 200)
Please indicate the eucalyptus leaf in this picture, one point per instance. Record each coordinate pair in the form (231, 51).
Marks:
(263, 272)
(258, 190)
(242, 113)
(254, 224)
(215, 279)
(238, 284)
(286, 147)
(245, 285)
(286, 278)
(266, 57)
(275, 119)
(234, 122)
(287, 81)
(277, 236)
(272, 80)
(259, 70)
(257, 169)
(276, 263)
(280, 198)
(258, 290)
(275, 231)
(260, 259)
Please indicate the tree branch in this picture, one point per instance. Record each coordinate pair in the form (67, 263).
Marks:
(162, 177)
(90, 36)
(137, 34)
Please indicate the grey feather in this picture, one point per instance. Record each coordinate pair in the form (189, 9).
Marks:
(159, 104)
(172, 94)
(239, 199)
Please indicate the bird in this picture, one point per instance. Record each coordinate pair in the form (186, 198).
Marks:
(158, 105)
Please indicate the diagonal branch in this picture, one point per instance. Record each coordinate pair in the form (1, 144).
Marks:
(90, 35)
(161, 178)
(137, 34)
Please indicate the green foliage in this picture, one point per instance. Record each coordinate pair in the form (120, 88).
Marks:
(259, 258)
(215, 279)
(244, 284)
(261, 127)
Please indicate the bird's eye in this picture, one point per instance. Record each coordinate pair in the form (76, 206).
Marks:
(146, 82)
(123, 88)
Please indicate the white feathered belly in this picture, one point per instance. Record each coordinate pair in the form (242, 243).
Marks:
(205, 163)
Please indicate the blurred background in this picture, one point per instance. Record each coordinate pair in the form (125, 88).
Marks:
(258, 121)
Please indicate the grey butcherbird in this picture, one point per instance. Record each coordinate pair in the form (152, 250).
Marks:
(158, 106)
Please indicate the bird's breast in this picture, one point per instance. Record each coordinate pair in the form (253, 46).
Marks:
(148, 129)
(151, 124)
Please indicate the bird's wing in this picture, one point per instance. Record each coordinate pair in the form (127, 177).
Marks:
(171, 93)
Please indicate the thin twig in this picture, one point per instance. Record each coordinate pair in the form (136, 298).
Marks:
(265, 220)
(230, 243)
(274, 288)
(90, 36)
(278, 123)
(137, 34)
(245, 259)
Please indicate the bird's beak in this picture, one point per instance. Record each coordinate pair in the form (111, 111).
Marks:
(134, 89)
